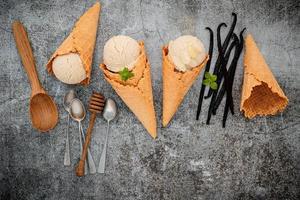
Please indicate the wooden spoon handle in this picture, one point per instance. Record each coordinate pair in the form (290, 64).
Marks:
(80, 166)
(26, 55)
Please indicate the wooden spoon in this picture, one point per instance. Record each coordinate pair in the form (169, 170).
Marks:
(43, 111)
(96, 106)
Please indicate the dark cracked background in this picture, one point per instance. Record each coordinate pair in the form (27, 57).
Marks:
(249, 159)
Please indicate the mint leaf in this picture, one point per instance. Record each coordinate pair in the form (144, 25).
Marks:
(126, 74)
(206, 82)
(207, 75)
(210, 80)
(213, 85)
(213, 78)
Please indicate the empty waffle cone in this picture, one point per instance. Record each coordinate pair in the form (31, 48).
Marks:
(81, 40)
(261, 93)
(175, 85)
(136, 92)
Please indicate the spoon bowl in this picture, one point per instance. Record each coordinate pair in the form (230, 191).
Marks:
(43, 112)
(110, 110)
(77, 110)
(68, 99)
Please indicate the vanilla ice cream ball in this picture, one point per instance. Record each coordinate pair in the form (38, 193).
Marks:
(119, 52)
(186, 52)
(69, 68)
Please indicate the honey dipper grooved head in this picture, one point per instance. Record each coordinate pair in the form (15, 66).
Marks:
(96, 103)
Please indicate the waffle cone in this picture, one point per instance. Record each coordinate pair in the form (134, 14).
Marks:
(81, 40)
(175, 85)
(136, 92)
(261, 94)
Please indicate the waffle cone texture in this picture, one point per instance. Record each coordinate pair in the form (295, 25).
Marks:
(136, 92)
(81, 40)
(261, 94)
(175, 85)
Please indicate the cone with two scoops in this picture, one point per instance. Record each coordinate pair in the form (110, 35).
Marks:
(126, 67)
(136, 89)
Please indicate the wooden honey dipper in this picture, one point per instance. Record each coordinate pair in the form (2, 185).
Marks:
(96, 106)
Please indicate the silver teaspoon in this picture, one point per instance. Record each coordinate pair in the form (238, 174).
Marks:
(78, 114)
(109, 113)
(67, 103)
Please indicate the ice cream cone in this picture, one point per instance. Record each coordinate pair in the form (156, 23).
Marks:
(175, 85)
(261, 93)
(136, 92)
(81, 40)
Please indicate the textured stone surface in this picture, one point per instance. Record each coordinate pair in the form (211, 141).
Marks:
(257, 159)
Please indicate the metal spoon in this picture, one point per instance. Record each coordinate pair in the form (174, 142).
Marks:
(67, 104)
(77, 112)
(109, 113)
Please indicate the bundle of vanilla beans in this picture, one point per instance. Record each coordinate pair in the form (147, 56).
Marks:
(223, 71)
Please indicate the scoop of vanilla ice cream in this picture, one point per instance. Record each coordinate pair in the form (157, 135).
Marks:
(69, 68)
(186, 52)
(119, 52)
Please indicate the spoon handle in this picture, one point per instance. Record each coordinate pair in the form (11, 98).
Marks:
(67, 160)
(92, 166)
(26, 55)
(101, 167)
(80, 167)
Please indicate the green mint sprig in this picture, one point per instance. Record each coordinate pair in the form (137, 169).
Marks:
(126, 74)
(210, 80)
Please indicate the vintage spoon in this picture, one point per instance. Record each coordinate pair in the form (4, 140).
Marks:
(95, 107)
(77, 112)
(43, 111)
(67, 104)
(109, 113)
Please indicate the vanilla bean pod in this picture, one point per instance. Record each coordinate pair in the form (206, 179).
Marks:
(225, 114)
(233, 66)
(223, 89)
(226, 83)
(224, 47)
(235, 43)
(214, 93)
(223, 73)
(210, 53)
(226, 57)
(219, 45)
(218, 62)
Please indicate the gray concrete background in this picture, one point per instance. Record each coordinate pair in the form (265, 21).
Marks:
(249, 159)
